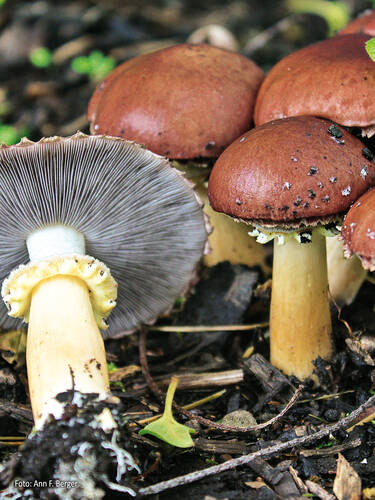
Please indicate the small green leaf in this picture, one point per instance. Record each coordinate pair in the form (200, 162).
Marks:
(41, 57)
(166, 428)
(96, 65)
(370, 48)
(10, 135)
(112, 367)
(81, 65)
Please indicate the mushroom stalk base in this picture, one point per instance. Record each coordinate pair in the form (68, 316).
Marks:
(65, 349)
(300, 320)
(345, 276)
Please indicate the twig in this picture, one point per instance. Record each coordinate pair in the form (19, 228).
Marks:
(264, 453)
(264, 37)
(207, 328)
(204, 421)
(339, 309)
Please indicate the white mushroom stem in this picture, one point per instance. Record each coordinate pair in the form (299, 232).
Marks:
(345, 276)
(65, 349)
(300, 321)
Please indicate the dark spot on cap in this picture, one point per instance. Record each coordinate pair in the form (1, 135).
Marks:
(308, 134)
(306, 204)
(334, 131)
(325, 198)
(294, 213)
(321, 185)
(313, 170)
(284, 208)
(311, 194)
(367, 154)
(210, 145)
(122, 131)
(166, 153)
(297, 201)
(293, 158)
(238, 202)
(333, 179)
(267, 206)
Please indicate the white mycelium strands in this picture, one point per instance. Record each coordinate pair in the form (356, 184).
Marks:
(136, 213)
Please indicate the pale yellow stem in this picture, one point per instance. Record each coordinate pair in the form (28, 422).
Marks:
(345, 276)
(230, 240)
(300, 321)
(65, 349)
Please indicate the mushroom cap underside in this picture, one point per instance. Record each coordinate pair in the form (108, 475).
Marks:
(137, 214)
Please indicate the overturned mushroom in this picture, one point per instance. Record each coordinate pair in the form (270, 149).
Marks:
(64, 198)
(186, 102)
(282, 172)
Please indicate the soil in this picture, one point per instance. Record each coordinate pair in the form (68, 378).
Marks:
(52, 101)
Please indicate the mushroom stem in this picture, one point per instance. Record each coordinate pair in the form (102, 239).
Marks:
(64, 347)
(300, 321)
(230, 240)
(345, 276)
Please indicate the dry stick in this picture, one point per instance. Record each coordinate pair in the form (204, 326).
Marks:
(338, 308)
(207, 328)
(204, 421)
(264, 453)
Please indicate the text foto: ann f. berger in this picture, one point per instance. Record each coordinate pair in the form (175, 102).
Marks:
(51, 483)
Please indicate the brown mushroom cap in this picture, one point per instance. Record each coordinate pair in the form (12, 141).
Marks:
(358, 230)
(296, 171)
(334, 79)
(183, 102)
(365, 23)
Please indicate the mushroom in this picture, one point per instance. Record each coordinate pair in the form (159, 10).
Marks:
(358, 230)
(364, 23)
(334, 79)
(73, 206)
(188, 103)
(294, 180)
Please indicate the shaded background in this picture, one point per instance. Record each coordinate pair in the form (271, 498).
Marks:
(53, 53)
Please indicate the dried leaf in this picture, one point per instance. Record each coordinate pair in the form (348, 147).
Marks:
(347, 484)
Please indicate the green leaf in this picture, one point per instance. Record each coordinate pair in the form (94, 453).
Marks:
(112, 367)
(335, 13)
(370, 48)
(166, 427)
(41, 57)
(81, 65)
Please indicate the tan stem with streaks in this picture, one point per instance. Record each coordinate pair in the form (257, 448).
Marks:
(65, 349)
(300, 321)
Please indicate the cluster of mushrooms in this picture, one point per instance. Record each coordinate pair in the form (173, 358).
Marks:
(89, 222)
(292, 178)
